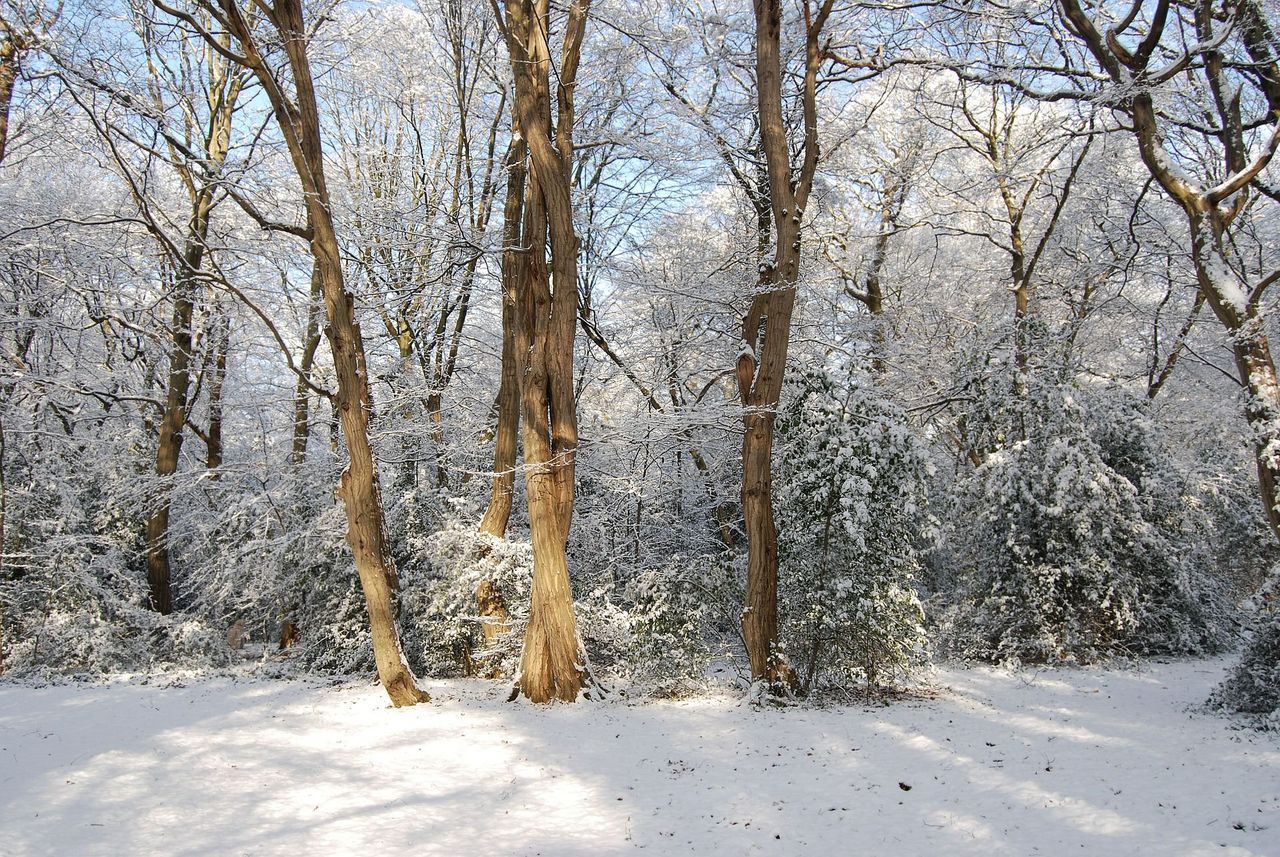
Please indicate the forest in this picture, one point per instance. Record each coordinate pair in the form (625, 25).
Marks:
(603, 343)
(824, 374)
(773, 356)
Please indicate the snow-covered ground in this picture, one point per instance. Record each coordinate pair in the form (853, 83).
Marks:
(1059, 762)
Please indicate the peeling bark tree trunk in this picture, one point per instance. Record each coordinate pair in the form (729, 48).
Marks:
(296, 113)
(552, 664)
(766, 331)
(505, 444)
(490, 600)
(493, 610)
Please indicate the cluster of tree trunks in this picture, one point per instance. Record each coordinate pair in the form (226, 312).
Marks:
(536, 403)
(545, 309)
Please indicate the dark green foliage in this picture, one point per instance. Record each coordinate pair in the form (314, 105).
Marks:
(1069, 539)
(849, 500)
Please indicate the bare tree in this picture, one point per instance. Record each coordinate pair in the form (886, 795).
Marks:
(289, 86)
(1022, 151)
(203, 89)
(424, 174)
(766, 327)
(1195, 43)
(892, 182)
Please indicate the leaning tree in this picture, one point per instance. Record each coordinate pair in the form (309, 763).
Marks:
(271, 41)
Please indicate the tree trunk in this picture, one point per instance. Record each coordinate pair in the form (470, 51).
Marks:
(301, 393)
(874, 299)
(493, 610)
(724, 526)
(1021, 313)
(435, 420)
(506, 438)
(169, 443)
(551, 663)
(1257, 369)
(221, 89)
(358, 485)
(1157, 379)
(766, 331)
(490, 600)
(296, 112)
(760, 619)
(217, 380)
(1245, 324)
(513, 270)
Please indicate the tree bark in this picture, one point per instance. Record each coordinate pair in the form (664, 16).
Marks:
(505, 443)
(490, 600)
(553, 663)
(217, 381)
(169, 442)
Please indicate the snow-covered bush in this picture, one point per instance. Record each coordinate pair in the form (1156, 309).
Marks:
(1069, 538)
(1252, 686)
(680, 615)
(73, 596)
(849, 497)
(266, 554)
(441, 619)
(1230, 530)
(604, 628)
(1186, 604)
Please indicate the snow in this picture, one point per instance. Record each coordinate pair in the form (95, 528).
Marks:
(1224, 282)
(1098, 762)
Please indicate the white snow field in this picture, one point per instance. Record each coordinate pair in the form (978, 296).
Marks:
(1055, 762)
